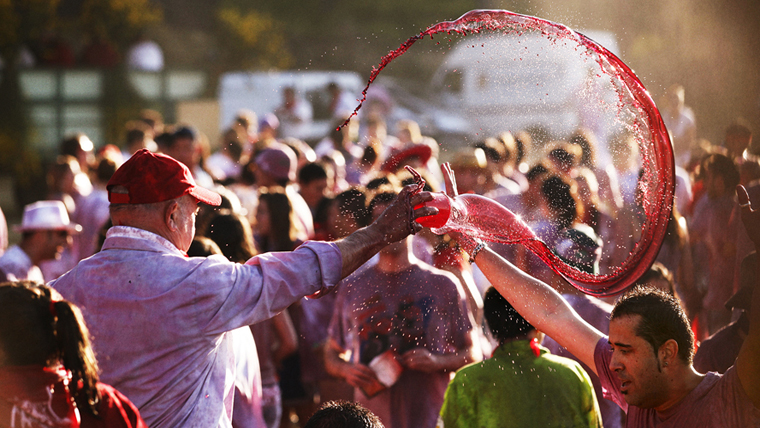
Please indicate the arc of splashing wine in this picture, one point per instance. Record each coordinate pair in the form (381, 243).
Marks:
(657, 183)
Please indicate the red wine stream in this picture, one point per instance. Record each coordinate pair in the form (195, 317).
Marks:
(487, 219)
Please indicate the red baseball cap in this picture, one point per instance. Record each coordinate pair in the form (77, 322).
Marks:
(152, 177)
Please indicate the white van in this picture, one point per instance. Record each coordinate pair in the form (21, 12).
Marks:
(509, 83)
(261, 92)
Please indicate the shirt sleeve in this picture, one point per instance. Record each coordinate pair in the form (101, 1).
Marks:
(610, 384)
(263, 286)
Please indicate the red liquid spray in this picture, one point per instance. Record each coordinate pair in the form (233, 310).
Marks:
(481, 217)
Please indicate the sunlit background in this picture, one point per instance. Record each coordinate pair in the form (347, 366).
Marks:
(51, 87)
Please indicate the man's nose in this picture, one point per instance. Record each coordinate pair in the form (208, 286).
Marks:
(615, 365)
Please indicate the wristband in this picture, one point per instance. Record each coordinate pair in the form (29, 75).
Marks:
(478, 249)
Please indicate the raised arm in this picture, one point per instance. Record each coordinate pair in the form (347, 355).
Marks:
(541, 306)
(748, 361)
(536, 301)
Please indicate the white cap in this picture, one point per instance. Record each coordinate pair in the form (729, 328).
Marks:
(47, 215)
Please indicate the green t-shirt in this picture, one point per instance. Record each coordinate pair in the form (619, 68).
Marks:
(514, 388)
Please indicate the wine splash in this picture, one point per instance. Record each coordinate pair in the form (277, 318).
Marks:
(486, 219)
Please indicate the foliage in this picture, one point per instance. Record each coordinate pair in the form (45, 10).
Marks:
(120, 21)
(253, 39)
(24, 20)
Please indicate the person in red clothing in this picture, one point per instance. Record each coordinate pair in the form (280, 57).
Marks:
(44, 347)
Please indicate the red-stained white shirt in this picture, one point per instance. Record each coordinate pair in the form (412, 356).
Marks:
(160, 321)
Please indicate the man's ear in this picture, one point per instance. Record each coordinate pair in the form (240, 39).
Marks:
(170, 216)
(668, 353)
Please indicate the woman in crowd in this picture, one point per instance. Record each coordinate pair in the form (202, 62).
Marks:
(48, 371)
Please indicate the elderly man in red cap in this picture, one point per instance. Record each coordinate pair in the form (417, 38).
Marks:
(45, 232)
(162, 321)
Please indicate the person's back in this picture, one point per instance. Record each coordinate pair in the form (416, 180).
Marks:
(516, 388)
(160, 319)
(522, 384)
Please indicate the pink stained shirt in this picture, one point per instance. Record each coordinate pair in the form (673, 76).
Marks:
(160, 320)
(719, 401)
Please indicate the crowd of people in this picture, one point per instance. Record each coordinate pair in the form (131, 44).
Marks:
(269, 280)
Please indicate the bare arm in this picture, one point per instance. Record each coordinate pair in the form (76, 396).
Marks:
(748, 361)
(537, 302)
(541, 306)
(393, 225)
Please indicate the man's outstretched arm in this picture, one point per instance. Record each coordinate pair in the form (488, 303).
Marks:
(536, 301)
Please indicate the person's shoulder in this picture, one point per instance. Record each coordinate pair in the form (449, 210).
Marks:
(114, 409)
(566, 368)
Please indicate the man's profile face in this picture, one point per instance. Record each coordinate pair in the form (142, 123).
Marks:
(314, 191)
(636, 364)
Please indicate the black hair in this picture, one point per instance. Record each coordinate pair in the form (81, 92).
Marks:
(71, 145)
(503, 320)
(493, 149)
(164, 140)
(383, 197)
(536, 171)
(284, 230)
(354, 202)
(661, 318)
(310, 172)
(343, 414)
(561, 201)
(586, 141)
(722, 166)
(203, 247)
(383, 179)
(38, 329)
(105, 169)
(185, 132)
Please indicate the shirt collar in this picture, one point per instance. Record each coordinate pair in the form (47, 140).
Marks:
(136, 233)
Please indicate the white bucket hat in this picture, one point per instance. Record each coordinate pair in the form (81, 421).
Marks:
(47, 215)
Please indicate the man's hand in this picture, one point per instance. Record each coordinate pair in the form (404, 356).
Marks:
(420, 359)
(360, 376)
(394, 224)
(397, 221)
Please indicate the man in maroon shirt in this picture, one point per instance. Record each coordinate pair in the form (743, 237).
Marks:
(646, 363)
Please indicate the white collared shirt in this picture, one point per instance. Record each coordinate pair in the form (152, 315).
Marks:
(160, 320)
